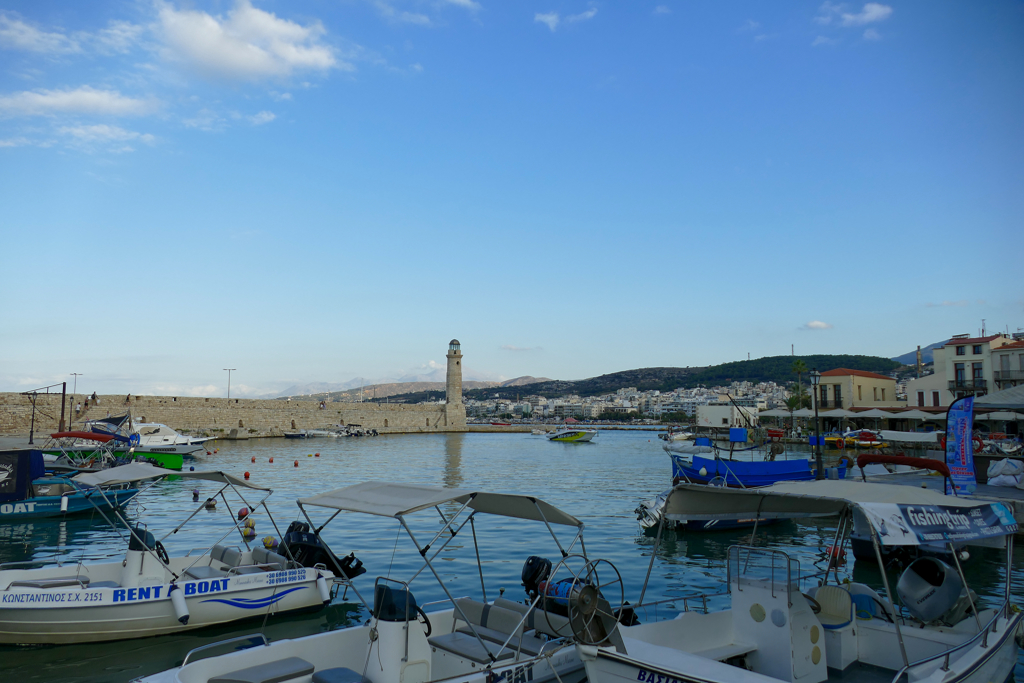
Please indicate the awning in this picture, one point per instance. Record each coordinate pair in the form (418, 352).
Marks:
(396, 500)
(141, 471)
(803, 412)
(875, 412)
(902, 515)
(1000, 415)
(1007, 399)
(917, 415)
(910, 437)
(838, 412)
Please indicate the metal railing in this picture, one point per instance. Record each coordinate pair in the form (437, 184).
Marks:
(1007, 375)
(252, 637)
(1004, 610)
(967, 384)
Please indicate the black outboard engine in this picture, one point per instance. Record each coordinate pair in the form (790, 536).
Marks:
(535, 570)
(932, 591)
(306, 548)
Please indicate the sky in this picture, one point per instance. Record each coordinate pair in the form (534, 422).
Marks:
(323, 190)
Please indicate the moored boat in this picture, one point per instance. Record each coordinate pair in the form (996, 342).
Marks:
(573, 435)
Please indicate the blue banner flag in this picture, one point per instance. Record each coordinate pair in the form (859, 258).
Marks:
(959, 447)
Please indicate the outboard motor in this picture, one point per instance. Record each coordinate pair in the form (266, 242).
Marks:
(929, 589)
(535, 570)
(308, 550)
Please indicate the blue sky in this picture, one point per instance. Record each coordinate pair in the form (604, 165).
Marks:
(322, 190)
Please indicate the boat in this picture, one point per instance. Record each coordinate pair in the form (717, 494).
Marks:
(464, 640)
(27, 492)
(501, 424)
(149, 592)
(101, 449)
(780, 628)
(571, 434)
(703, 463)
(154, 436)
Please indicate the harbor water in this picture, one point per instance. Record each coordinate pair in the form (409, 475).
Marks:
(601, 483)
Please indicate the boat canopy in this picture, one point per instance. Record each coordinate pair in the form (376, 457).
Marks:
(139, 471)
(397, 500)
(102, 437)
(910, 437)
(901, 515)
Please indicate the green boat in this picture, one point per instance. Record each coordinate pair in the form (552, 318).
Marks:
(93, 449)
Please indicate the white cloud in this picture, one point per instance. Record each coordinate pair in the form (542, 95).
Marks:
(551, 19)
(870, 13)
(118, 37)
(582, 16)
(822, 40)
(828, 11)
(15, 142)
(17, 35)
(662, 9)
(205, 119)
(247, 44)
(83, 100)
(262, 117)
(509, 347)
(389, 12)
(872, 34)
(104, 133)
(817, 325)
(467, 4)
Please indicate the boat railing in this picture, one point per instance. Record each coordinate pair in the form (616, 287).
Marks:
(982, 635)
(752, 566)
(690, 602)
(251, 638)
(193, 550)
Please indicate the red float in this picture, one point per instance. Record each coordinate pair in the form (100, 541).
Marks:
(246, 475)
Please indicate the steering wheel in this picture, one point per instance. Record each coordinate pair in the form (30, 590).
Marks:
(586, 601)
(426, 620)
(161, 552)
(815, 605)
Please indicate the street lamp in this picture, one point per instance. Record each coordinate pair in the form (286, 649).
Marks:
(74, 391)
(815, 381)
(229, 371)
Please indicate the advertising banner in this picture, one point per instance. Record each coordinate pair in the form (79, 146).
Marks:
(907, 524)
(959, 448)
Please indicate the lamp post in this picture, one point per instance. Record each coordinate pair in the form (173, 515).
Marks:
(75, 389)
(815, 381)
(229, 371)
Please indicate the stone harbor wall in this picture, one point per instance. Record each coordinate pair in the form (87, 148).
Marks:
(229, 418)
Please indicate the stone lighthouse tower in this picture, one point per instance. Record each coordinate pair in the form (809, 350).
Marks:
(455, 411)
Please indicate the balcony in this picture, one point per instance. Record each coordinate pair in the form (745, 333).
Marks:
(830, 405)
(1008, 375)
(968, 385)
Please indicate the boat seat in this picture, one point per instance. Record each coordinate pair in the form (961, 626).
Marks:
(498, 625)
(57, 582)
(205, 572)
(836, 607)
(468, 647)
(271, 672)
(264, 556)
(229, 556)
(537, 619)
(339, 674)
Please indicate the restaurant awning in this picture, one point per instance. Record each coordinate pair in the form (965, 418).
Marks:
(838, 412)
(875, 412)
(1007, 399)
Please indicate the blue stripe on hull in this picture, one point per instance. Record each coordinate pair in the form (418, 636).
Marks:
(49, 506)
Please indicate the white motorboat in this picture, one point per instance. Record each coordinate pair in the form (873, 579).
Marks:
(159, 438)
(775, 631)
(148, 592)
(465, 641)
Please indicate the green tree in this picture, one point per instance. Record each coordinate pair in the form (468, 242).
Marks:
(799, 367)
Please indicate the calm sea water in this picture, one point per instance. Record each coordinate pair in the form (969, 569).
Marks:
(600, 483)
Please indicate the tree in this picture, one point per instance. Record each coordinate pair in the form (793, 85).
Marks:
(799, 367)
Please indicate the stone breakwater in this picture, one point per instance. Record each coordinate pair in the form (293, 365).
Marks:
(228, 418)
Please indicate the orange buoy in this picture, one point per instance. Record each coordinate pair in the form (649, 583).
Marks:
(316, 455)
(253, 459)
(209, 453)
(296, 463)
(246, 475)
(271, 459)
(216, 450)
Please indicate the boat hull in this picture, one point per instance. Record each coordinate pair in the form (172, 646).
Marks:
(89, 615)
(574, 436)
(168, 459)
(49, 506)
(700, 470)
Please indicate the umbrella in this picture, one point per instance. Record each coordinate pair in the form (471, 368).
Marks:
(915, 415)
(1001, 415)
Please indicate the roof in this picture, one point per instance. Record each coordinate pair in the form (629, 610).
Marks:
(396, 500)
(972, 340)
(1007, 399)
(1012, 345)
(844, 372)
(140, 471)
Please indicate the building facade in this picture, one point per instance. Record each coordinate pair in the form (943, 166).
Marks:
(845, 388)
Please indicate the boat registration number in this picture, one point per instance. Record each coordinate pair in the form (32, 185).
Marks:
(77, 596)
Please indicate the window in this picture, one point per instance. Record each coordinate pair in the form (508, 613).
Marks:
(837, 394)
(824, 394)
(958, 373)
(920, 398)
(977, 370)
(859, 396)
(725, 420)
(875, 393)
(935, 399)
(883, 393)
(1004, 362)
(977, 349)
(961, 350)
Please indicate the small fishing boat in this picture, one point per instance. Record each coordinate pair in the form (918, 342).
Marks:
(101, 449)
(570, 434)
(149, 592)
(26, 492)
(464, 641)
(784, 626)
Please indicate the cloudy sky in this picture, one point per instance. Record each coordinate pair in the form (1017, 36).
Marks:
(327, 189)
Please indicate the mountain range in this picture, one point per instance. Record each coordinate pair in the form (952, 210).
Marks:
(926, 354)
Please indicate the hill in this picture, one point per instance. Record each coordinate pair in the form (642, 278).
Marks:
(388, 390)
(776, 369)
(926, 354)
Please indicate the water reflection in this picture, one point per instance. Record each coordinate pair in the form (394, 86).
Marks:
(453, 460)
